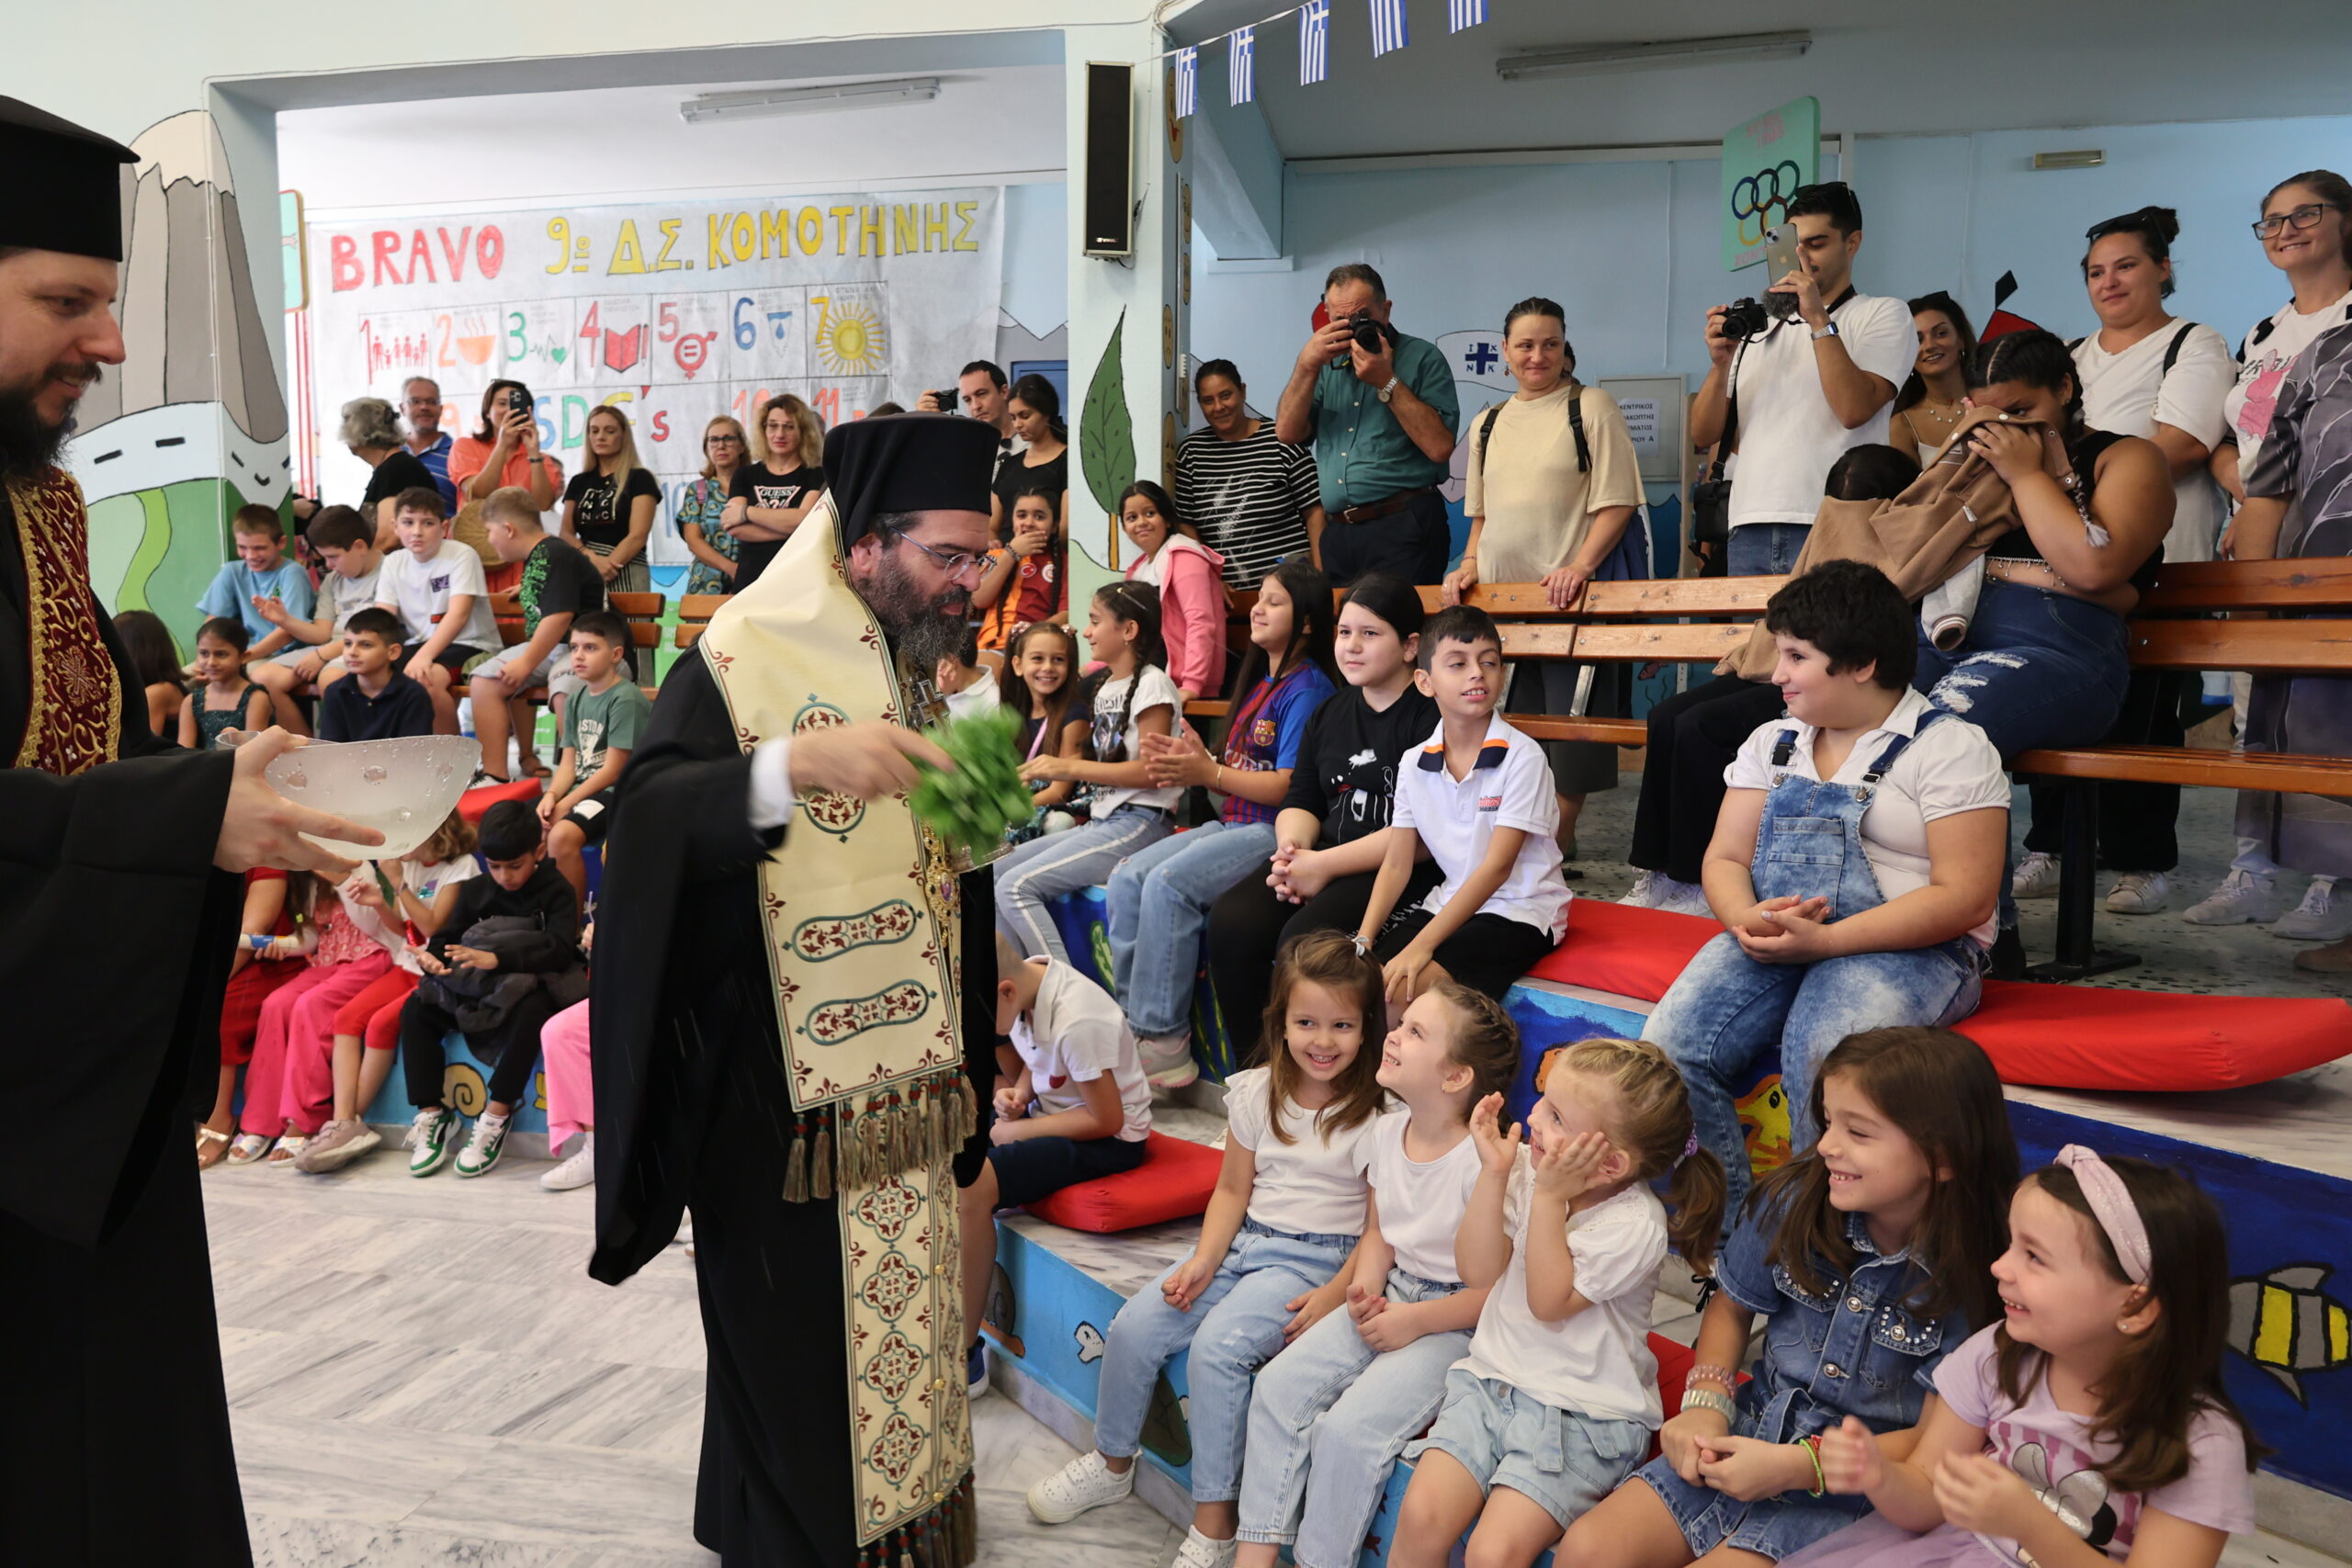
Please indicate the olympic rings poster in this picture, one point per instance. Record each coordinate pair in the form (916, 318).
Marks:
(675, 314)
(1765, 161)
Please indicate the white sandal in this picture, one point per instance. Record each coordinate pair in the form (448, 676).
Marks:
(248, 1148)
(292, 1143)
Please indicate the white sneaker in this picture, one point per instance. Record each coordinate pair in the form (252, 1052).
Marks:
(2036, 876)
(2318, 918)
(1682, 897)
(1645, 891)
(2139, 893)
(1083, 1483)
(578, 1168)
(1167, 1059)
(2243, 898)
(483, 1146)
(1200, 1551)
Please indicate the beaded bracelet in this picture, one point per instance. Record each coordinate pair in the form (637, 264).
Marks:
(1708, 1399)
(1811, 1445)
(1722, 1377)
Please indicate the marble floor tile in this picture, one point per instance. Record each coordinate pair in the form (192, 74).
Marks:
(303, 1468)
(334, 1543)
(543, 1492)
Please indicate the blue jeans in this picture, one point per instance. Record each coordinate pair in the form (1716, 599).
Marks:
(1330, 1416)
(2036, 669)
(1233, 1328)
(1064, 862)
(1726, 1012)
(1765, 549)
(1158, 901)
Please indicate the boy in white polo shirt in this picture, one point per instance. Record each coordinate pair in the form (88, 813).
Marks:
(1479, 794)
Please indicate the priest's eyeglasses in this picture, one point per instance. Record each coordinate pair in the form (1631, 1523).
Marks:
(955, 564)
(2305, 217)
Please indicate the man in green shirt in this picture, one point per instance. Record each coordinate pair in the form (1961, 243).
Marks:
(1382, 420)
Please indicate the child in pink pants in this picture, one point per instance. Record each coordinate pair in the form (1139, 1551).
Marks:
(289, 1085)
(572, 1098)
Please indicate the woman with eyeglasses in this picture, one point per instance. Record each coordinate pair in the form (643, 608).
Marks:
(702, 509)
(2287, 433)
(771, 494)
(2149, 374)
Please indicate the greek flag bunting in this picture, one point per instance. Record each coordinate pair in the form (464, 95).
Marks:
(1388, 27)
(1314, 41)
(1188, 81)
(1240, 67)
(1461, 14)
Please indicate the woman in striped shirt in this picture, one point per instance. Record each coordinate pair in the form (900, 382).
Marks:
(1253, 499)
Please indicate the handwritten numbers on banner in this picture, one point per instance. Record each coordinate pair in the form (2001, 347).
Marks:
(570, 250)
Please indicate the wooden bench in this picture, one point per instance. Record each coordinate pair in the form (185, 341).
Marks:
(695, 611)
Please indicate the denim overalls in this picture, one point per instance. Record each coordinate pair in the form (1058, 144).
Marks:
(1726, 1010)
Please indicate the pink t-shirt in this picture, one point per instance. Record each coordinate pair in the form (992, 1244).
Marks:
(2049, 1448)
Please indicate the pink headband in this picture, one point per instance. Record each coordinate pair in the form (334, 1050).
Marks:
(2111, 1205)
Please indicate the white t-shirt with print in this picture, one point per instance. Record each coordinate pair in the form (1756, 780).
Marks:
(1596, 1361)
(420, 590)
(1074, 1034)
(1313, 1185)
(1510, 786)
(1421, 1202)
(1789, 437)
(427, 881)
(1951, 769)
(2130, 393)
(2263, 365)
(1154, 691)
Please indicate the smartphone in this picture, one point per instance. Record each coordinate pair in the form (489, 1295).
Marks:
(519, 400)
(1781, 258)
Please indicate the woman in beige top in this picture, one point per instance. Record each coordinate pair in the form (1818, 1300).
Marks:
(1552, 498)
(1928, 407)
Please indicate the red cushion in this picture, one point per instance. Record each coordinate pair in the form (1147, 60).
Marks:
(474, 802)
(1173, 1183)
(2054, 1036)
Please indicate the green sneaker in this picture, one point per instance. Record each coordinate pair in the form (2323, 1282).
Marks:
(482, 1149)
(428, 1140)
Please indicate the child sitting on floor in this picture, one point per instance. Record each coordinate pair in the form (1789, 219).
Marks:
(1072, 1105)
(1479, 796)
(601, 724)
(285, 1099)
(222, 699)
(260, 964)
(1556, 1401)
(521, 919)
(1288, 1209)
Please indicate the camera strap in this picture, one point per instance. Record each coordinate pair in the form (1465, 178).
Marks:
(1730, 437)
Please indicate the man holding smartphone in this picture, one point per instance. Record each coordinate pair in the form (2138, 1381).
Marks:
(1813, 384)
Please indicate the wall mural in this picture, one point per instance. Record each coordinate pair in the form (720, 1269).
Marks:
(1106, 436)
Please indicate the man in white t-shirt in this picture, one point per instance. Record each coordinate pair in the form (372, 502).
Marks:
(1811, 386)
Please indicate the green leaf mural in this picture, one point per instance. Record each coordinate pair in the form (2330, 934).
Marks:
(1106, 432)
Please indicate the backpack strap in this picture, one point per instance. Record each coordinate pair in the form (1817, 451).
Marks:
(1576, 425)
(1487, 428)
(2172, 350)
(2076, 343)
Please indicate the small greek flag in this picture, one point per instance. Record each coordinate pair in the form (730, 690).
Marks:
(1388, 27)
(1461, 14)
(1188, 81)
(1240, 68)
(1314, 41)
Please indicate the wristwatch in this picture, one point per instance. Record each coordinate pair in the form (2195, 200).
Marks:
(1826, 329)
(1389, 390)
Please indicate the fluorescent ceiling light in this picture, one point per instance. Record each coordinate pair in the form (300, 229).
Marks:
(1584, 60)
(808, 100)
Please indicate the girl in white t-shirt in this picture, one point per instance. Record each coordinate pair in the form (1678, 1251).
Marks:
(1289, 1206)
(1332, 1413)
(1135, 698)
(1555, 1404)
(2090, 1425)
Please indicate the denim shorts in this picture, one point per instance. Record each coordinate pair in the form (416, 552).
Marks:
(1774, 1527)
(1562, 1462)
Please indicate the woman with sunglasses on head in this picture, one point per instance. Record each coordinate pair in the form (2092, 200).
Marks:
(702, 509)
(2292, 415)
(2148, 374)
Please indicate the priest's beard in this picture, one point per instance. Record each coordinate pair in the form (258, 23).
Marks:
(28, 443)
(923, 628)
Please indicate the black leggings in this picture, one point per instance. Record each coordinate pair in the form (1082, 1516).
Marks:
(512, 1047)
(1248, 926)
(1694, 736)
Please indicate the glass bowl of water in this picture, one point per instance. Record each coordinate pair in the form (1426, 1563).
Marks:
(405, 788)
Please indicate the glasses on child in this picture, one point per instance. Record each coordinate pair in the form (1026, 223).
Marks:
(2305, 217)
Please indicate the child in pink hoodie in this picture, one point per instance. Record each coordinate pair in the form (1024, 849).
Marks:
(1188, 576)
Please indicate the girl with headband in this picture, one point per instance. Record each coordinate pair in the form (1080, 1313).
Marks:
(2091, 1426)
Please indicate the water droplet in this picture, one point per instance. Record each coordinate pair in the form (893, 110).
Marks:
(402, 815)
(373, 773)
(298, 779)
(445, 773)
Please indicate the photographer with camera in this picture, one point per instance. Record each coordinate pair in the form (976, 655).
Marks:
(1380, 410)
(981, 390)
(1796, 384)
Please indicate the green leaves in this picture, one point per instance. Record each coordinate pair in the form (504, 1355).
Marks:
(974, 804)
(1106, 432)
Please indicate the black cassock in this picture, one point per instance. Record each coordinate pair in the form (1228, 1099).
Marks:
(692, 1110)
(115, 938)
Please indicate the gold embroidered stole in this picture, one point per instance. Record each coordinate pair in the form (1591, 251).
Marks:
(862, 924)
(73, 717)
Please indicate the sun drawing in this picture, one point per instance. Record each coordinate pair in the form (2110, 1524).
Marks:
(850, 339)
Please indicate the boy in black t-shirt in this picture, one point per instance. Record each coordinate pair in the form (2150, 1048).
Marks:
(559, 583)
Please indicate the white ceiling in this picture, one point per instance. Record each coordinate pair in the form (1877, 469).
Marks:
(1879, 67)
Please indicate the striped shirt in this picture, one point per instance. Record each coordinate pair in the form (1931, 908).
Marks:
(1249, 498)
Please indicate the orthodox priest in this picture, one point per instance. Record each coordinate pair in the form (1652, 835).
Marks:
(778, 1044)
(118, 915)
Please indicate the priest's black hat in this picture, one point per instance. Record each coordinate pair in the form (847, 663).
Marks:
(60, 187)
(907, 462)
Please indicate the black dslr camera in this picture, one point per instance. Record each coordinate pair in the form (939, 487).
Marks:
(1370, 330)
(1744, 319)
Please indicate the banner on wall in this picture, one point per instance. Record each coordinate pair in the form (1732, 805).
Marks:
(1765, 162)
(673, 314)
